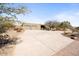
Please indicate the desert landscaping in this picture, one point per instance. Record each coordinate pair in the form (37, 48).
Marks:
(52, 38)
(42, 43)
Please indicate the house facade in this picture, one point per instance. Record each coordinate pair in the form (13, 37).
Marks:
(32, 26)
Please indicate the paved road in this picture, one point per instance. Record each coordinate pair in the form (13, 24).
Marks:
(41, 43)
(70, 50)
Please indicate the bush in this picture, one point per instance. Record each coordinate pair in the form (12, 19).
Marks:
(7, 25)
(58, 25)
(18, 29)
(5, 39)
(52, 25)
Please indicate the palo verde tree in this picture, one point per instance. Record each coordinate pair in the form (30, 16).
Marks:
(8, 12)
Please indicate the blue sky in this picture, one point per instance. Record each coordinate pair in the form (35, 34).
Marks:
(52, 11)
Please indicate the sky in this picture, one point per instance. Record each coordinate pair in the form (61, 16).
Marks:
(42, 12)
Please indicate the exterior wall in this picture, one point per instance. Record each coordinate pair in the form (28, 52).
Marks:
(31, 26)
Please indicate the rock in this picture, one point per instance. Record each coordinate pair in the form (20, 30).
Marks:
(67, 31)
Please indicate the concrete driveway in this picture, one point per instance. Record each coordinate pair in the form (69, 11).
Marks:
(41, 43)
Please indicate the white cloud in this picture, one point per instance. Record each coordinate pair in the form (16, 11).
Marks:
(77, 13)
(73, 18)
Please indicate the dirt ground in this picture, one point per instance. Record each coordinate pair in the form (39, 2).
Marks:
(8, 49)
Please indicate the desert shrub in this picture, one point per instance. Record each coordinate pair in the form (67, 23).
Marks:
(77, 29)
(8, 25)
(52, 25)
(65, 25)
(5, 24)
(58, 25)
(18, 29)
(5, 39)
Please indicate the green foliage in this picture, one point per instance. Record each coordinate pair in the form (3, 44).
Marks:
(8, 24)
(52, 24)
(9, 12)
(12, 11)
(5, 24)
(65, 25)
(58, 25)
